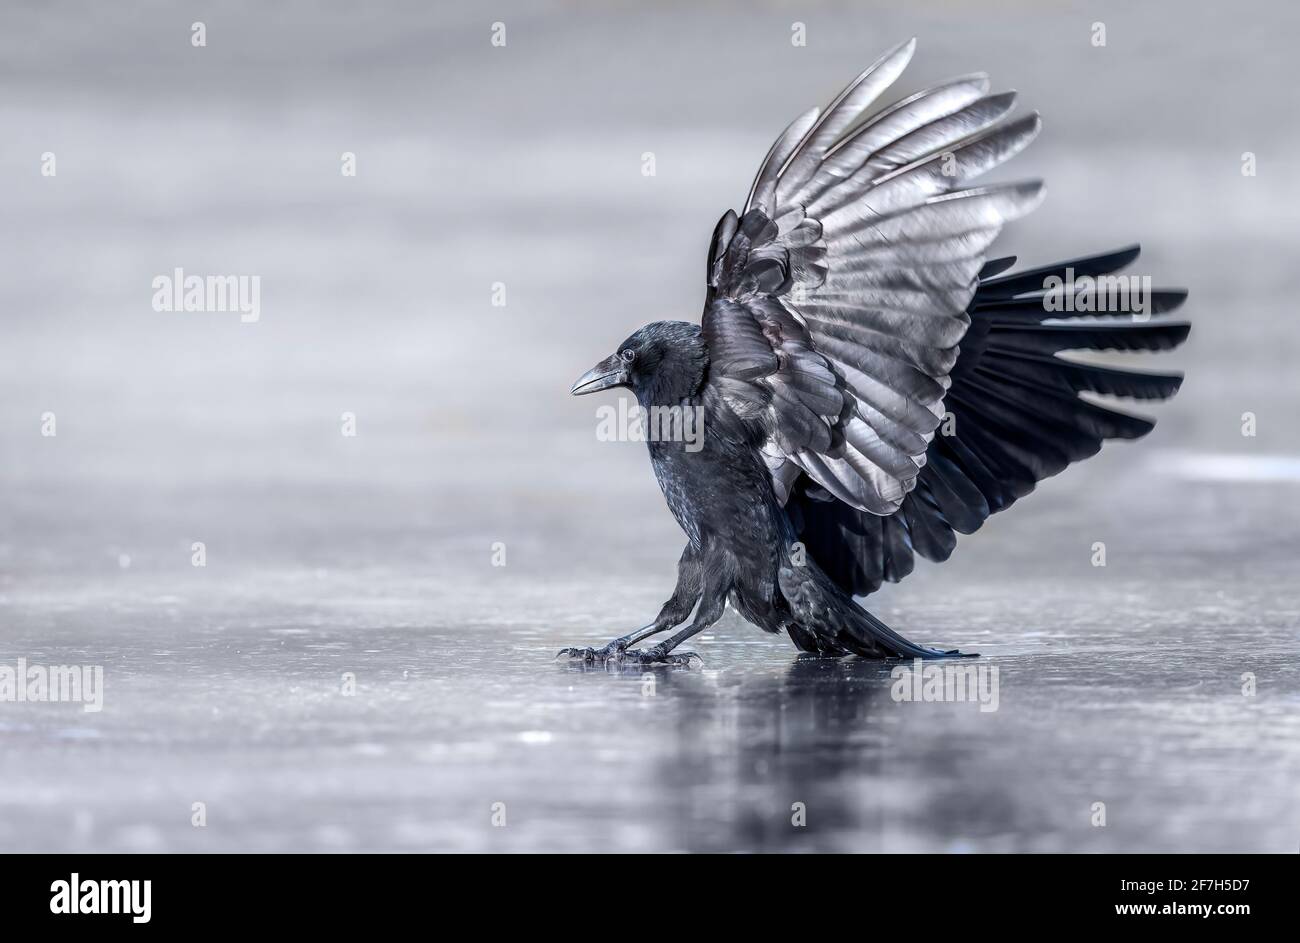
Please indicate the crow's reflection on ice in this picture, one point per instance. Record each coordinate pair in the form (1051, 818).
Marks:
(779, 760)
(816, 755)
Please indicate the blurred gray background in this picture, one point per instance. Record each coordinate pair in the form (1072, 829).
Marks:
(373, 554)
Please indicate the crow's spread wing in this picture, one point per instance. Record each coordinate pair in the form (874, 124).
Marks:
(838, 296)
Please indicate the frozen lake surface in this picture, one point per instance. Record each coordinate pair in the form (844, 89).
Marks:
(334, 560)
(1121, 685)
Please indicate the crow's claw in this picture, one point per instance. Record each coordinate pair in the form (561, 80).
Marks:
(590, 655)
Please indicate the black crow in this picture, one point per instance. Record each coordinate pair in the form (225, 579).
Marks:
(870, 386)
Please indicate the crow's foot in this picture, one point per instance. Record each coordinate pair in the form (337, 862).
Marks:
(609, 652)
(615, 655)
(655, 655)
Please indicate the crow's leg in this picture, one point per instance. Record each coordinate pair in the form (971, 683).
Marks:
(713, 604)
(674, 612)
(618, 645)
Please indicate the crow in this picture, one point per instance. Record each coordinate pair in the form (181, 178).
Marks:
(869, 384)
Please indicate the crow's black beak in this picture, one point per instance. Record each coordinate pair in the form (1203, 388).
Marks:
(609, 372)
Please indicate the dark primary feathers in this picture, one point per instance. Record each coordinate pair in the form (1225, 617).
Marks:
(1016, 418)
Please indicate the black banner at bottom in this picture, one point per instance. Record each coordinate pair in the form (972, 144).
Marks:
(301, 892)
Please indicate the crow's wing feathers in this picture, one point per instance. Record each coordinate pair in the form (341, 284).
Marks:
(1017, 418)
(838, 296)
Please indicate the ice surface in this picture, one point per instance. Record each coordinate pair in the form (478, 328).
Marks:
(223, 685)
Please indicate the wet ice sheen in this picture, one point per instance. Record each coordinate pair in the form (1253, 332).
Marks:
(449, 720)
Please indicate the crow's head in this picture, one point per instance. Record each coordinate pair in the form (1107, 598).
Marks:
(662, 363)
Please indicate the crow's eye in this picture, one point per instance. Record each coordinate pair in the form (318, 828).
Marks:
(627, 355)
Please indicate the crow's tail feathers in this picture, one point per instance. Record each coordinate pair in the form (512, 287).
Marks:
(827, 621)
